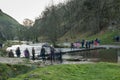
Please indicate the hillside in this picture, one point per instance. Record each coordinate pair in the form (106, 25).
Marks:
(8, 70)
(75, 18)
(97, 71)
(8, 26)
(7, 18)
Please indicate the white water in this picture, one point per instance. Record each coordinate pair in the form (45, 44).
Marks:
(37, 48)
(22, 47)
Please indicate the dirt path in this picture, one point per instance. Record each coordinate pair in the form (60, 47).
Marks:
(22, 61)
(10, 60)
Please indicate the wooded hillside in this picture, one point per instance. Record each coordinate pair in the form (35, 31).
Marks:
(78, 16)
(9, 27)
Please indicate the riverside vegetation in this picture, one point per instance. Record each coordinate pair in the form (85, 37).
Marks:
(95, 71)
(72, 20)
(8, 70)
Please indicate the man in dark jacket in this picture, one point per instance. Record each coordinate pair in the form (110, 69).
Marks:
(42, 53)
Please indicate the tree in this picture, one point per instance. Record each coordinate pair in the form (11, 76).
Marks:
(28, 23)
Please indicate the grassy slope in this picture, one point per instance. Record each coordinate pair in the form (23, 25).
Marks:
(6, 18)
(106, 37)
(98, 71)
(8, 25)
(7, 70)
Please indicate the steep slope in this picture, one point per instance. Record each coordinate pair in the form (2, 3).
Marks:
(7, 18)
(79, 17)
(8, 26)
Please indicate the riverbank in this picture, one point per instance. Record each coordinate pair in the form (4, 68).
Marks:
(98, 71)
(79, 56)
(7, 60)
(24, 61)
(68, 70)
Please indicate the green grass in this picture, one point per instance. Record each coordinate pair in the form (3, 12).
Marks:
(6, 18)
(7, 70)
(106, 37)
(97, 71)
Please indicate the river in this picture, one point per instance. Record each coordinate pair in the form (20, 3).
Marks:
(102, 55)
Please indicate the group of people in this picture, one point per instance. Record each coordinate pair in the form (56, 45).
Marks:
(51, 56)
(85, 44)
(11, 54)
(26, 53)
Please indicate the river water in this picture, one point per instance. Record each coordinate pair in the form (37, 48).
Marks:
(101, 55)
(22, 47)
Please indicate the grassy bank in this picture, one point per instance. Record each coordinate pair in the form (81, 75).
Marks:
(7, 70)
(97, 71)
(106, 37)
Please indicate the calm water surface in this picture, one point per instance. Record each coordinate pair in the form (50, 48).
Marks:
(102, 55)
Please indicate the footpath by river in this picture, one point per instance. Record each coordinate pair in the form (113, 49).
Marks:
(24, 61)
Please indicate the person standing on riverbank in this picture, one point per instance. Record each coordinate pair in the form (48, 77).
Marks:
(83, 43)
(33, 53)
(72, 46)
(52, 54)
(60, 56)
(26, 53)
(10, 54)
(42, 54)
(1, 45)
(18, 53)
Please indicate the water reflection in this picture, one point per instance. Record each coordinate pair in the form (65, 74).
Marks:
(102, 55)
